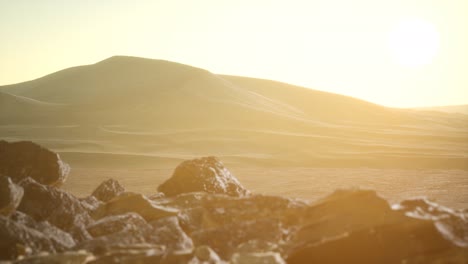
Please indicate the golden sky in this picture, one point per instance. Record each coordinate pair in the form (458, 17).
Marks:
(401, 53)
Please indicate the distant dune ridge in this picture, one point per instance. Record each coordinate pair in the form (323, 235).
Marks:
(135, 110)
(461, 109)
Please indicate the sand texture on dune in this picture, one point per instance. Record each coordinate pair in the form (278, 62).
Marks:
(153, 112)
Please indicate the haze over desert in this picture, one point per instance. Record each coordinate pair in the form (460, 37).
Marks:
(234, 132)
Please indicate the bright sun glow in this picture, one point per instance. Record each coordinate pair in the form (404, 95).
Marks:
(414, 42)
(386, 52)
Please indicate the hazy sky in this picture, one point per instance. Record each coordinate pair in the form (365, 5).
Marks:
(396, 53)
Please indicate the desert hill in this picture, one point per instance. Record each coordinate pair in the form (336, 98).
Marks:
(460, 109)
(148, 111)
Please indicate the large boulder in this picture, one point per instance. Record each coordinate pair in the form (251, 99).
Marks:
(107, 190)
(61, 209)
(23, 159)
(206, 174)
(388, 243)
(10, 196)
(357, 226)
(343, 211)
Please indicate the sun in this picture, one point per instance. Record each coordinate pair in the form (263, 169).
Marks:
(414, 42)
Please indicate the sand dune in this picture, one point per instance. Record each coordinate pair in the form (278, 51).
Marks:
(158, 112)
(15, 109)
(460, 109)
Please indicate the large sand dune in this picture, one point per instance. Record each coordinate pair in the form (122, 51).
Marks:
(158, 111)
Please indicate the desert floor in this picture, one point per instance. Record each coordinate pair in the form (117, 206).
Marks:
(447, 187)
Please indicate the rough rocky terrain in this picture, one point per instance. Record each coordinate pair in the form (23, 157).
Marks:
(202, 214)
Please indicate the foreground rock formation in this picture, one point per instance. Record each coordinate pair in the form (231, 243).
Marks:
(204, 215)
(19, 160)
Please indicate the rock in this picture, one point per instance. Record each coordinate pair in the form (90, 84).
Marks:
(388, 243)
(23, 159)
(454, 256)
(10, 196)
(452, 224)
(15, 238)
(225, 239)
(108, 190)
(148, 256)
(341, 212)
(223, 210)
(132, 202)
(256, 246)
(193, 219)
(206, 216)
(182, 201)
(156, 196)
(206, 174)
(117, 231)
(258, 251)
(111, 242)
(218, 210)
(78, 257)
(422, 208)
(257, 258)
(204, 254)
(145, 257)
(359, 227)
(90, 203)
(130, 222)
(191, 215)
(60, 239)
(24, 219)
(139, 253)
(79, 232)
(179, 257)
(117, 223)
(167, 232)
(61, 209)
